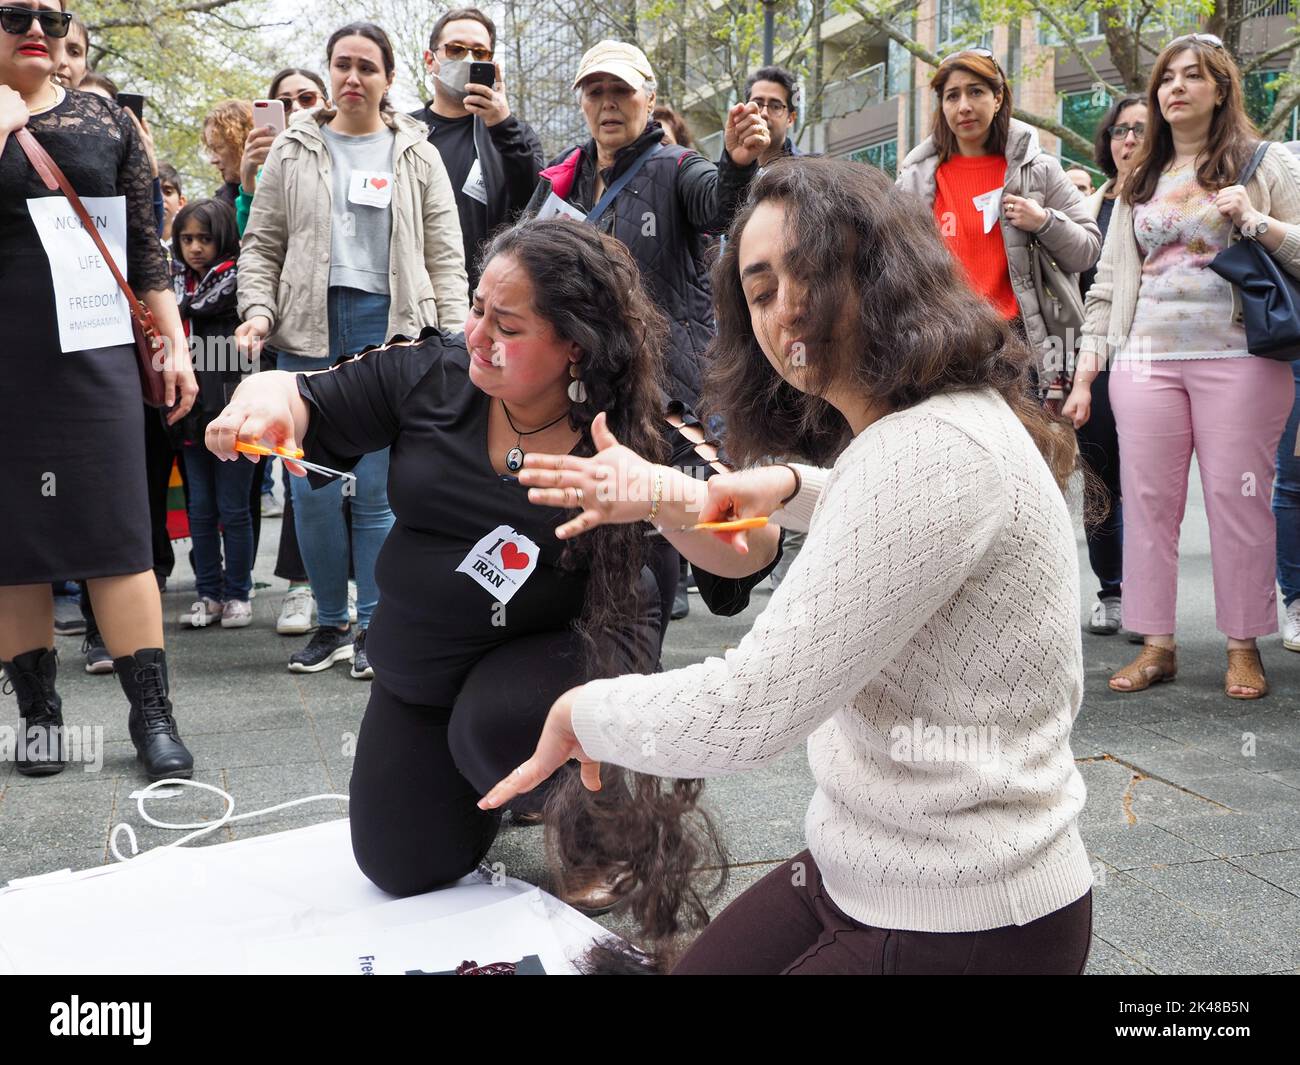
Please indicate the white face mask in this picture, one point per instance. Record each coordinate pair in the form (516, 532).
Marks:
(453, 76)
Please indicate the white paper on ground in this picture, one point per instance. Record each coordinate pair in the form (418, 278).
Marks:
(228, 908)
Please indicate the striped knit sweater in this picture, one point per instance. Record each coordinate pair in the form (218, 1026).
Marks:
(925, 644)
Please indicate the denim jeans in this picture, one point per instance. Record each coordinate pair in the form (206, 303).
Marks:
(357, 319)
(1286, 503)
(219, 493)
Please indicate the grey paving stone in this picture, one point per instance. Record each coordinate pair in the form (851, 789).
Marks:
(1245, 792)
(1168, 937)
(1224, 892)
(1143, 845)
(1233, 835)
(1107, 960)
(1280, 868)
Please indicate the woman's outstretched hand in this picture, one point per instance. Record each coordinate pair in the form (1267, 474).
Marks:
(613, 487)
(259, 410)
(556, 746)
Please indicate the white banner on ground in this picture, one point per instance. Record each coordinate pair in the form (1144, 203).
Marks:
(291, 902)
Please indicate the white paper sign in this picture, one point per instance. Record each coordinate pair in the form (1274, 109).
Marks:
(371, 188)
(501, 562)
(92, 310)
(554, 206)
(989, 202)
(474, 186)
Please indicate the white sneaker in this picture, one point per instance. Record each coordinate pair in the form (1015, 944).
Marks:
(352, 602)
(1105, 617)
(202, 613)
(1291, 627)
(237, 614)
(295, 612)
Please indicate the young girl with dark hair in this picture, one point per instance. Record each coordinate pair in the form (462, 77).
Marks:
(205, 243)
(924, 643)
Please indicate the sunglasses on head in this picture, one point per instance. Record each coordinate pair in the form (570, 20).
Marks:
(18, 20)
(1206, 38)
(985, 52)
(459, 51)
(307, 99)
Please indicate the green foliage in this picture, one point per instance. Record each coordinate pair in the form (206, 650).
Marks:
(184, 57)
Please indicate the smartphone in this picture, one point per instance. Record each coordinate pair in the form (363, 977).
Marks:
(268, 113)
(133, 102)
(483, 74)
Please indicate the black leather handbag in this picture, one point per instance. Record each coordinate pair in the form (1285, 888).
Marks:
(1270, 297)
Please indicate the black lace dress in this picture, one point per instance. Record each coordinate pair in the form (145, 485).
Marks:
(72, 468)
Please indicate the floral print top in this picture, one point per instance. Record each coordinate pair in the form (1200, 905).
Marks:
(1184, 309)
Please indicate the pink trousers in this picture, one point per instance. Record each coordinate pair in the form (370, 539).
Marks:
(1231, 412)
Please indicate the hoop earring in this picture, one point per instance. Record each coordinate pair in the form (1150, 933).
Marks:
(577, 390)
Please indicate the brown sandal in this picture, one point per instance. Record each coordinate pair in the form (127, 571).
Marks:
(1163, 659)
(1247, 671)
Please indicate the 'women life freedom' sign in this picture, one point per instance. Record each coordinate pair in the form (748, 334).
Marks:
(91, 309)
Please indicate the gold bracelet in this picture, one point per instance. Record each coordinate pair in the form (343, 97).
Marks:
(656, 495)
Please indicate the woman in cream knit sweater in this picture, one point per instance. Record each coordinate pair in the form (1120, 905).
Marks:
(1168, 330)
(924, 643)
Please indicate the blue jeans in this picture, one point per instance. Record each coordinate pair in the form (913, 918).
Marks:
(1286, 503)
(219, 493)
(356, 319)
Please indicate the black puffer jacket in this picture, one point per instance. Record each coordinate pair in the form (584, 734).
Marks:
(665, 216)
(212, 316)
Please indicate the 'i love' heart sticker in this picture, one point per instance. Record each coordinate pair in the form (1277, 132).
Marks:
(379, 183)
(501, 562)
(512, 557)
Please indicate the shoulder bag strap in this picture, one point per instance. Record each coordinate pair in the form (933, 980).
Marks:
(621, 181)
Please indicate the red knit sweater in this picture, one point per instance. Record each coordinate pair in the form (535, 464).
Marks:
(982, 255)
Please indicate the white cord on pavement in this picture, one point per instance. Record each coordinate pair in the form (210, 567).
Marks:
(204, 827)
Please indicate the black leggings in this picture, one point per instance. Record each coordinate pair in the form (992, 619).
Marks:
(786, 924)
(420, 770)
(1099, 447)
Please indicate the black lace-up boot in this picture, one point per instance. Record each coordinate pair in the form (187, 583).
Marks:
(158, 745)
(40, 711)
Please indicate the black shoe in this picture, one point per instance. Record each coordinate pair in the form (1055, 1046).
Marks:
(158, 745)
(98, 660)
(681, 603)
(328, 645)
(360, 663)
(31, 677)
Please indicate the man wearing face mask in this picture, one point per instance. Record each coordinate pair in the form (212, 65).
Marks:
(492, 157)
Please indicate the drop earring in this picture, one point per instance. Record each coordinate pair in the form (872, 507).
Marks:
(577, 390)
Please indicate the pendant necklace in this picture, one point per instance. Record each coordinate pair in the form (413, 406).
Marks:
(515, 456)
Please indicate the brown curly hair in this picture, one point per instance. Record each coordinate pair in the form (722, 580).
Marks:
(227, 126)
(588, 287)
(872, 254)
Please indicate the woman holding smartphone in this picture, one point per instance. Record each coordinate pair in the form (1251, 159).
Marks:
(353, 238)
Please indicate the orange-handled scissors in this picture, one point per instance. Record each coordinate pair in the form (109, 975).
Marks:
(735, 525)
(293, 456)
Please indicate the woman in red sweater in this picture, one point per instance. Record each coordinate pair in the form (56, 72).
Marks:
(993, 190)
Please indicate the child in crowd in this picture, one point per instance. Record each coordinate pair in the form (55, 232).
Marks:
(205, 242)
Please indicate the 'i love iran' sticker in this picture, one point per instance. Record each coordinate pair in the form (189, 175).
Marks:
(501, 562)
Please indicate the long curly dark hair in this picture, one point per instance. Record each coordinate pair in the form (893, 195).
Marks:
(886, 310)
(588, 287)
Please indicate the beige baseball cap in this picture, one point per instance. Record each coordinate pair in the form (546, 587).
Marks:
(625, 61)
